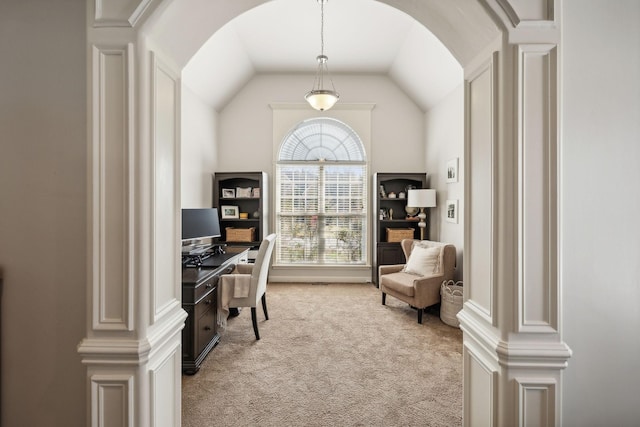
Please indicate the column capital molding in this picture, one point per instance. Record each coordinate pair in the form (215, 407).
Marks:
(125, 350)
(522, 351)
(533, 354)
(528, 21)
(114, 351)
(118, 13)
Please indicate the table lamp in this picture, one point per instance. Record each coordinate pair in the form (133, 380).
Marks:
(422, 198)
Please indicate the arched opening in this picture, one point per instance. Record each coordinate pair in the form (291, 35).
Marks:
(470, 33)
(419, 74)
(463, 50)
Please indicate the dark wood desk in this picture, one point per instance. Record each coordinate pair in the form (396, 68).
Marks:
(200, 300)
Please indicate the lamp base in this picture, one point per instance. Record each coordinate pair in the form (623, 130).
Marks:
(422, 224)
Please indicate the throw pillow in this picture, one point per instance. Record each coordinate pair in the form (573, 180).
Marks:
(423, 261)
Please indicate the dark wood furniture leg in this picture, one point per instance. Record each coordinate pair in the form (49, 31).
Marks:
(384, 298)
(420, 315)
(264, 306)
(254, 320)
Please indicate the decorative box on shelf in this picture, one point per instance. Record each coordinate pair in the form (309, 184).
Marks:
(240, 234)
(397, 234)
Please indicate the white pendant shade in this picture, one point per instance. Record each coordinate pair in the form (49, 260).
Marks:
(322, 99)
(318, 97)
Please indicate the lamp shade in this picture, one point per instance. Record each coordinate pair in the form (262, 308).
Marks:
(322, 99)
(319, 97)
(422, 198)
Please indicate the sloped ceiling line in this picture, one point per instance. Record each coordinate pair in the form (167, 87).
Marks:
(361, 37)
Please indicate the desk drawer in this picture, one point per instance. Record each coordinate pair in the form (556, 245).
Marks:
(206, 325)
(196, 283)
(210, 300)
(205, 287)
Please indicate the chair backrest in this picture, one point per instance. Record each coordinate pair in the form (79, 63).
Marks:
(448, 263)
(260, 270)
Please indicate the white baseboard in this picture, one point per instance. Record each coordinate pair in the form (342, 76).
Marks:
(314, 274)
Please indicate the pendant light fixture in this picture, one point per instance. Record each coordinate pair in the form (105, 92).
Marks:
(319, 97)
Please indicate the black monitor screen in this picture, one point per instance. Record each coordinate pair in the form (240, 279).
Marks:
(200, 223)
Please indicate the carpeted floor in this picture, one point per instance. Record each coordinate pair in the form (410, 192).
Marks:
(330, 355)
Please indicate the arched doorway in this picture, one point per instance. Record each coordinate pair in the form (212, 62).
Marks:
(131, 348)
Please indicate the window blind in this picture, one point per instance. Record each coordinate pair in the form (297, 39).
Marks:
(321, 195)
(321, 213)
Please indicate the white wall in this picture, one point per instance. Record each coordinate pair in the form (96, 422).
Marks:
(198, 151)
(601, 206)
(43, 211)
(444, 129)
(246, 122)
(246, 139)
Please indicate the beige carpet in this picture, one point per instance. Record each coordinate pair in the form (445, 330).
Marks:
(330, 355)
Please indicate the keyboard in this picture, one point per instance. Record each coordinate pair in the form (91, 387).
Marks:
(199, 250)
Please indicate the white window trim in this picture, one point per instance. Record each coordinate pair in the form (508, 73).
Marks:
(285, 116)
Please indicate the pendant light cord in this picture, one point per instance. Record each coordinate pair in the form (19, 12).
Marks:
(322, 27)
(318, 97)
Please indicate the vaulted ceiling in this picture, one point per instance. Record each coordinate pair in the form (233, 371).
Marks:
(361, 37)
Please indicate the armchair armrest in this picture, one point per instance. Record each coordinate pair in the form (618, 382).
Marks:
(388, 269)
(427, 288)
(428, 280)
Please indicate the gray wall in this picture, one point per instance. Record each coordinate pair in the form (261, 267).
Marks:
(43, 211)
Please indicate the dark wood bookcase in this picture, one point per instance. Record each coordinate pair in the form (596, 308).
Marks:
(254, 203)
(389, 212)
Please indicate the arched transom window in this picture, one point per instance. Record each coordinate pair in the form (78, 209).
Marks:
(321, 188)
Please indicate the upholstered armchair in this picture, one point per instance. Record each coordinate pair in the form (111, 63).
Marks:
(418, 281)
(247, 285)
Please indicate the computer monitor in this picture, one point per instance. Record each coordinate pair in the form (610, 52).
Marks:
(200, 224)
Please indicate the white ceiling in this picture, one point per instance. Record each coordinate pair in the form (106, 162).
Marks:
(361, 37)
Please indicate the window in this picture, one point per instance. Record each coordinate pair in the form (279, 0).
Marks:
(321, 188)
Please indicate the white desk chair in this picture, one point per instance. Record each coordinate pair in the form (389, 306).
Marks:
(248, 285)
